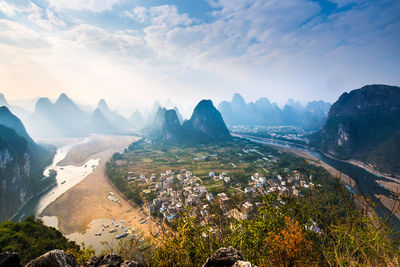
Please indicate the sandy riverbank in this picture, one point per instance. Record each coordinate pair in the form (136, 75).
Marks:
(394, 185)
(87, 201)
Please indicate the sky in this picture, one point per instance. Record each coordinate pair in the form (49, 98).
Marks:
(132, 52)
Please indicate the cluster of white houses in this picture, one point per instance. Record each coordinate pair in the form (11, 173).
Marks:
(180, 189)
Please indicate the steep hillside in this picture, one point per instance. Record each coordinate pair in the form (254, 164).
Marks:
(22, 163)
(361, 122)
(386, 157)
(206, 124)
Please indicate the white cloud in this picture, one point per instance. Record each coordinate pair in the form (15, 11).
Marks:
(138, 13)
(15, 7)
(160, 16)
(96, 6)
(16, 32)
(45, 19)
(54, 19)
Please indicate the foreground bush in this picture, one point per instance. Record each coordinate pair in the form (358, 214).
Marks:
(31, 238)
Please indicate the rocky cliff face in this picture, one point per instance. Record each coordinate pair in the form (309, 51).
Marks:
(22, 162)
(360, 121)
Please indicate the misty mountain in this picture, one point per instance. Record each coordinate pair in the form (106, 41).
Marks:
(179, 115)
(364, 125)
(22, 163)
(137, 120)
(68, 117)
(166, 127)
(151, 115)
(205, 126)
(100, 124)
(65, 118)
(113, 117)
(3, 101)
(11, 121)
(263, 112)
(20, 112)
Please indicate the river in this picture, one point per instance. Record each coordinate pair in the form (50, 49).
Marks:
(367, 184)
(67, 177)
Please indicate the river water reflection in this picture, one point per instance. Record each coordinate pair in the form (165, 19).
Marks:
(67, 177)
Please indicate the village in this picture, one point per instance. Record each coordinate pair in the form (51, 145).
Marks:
(176, 190)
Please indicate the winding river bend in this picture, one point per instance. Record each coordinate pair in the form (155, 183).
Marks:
(67, 177)
(367, 184)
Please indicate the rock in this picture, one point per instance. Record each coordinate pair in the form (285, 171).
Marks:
(111, 260)
(131, 264)
(243, 264)
(9, 259)
(71, 260)
(53, 258)
(224, 257)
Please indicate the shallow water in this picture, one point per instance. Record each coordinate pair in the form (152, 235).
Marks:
(67, 177)
(89, 238)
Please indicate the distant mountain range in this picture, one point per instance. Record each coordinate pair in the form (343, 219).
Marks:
(22, 163)
(264, 113)
(205, 126)
(364, 125)
(65, 118)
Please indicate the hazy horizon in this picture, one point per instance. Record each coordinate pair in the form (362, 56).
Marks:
(133, 52)
(127, 110)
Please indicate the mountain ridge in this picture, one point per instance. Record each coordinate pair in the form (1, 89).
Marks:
(359, 122)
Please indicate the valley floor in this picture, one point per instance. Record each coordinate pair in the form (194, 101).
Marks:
(88, 201)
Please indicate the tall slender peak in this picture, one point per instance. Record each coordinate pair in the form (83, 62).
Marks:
(238, 98)
(63, 99)
(3, 101)
(102, 105)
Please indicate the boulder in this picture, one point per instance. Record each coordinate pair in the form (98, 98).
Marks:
(243, 264)
(9, 259)
(111, 260)
(53, 258)
(131, 264)
(224, 257)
